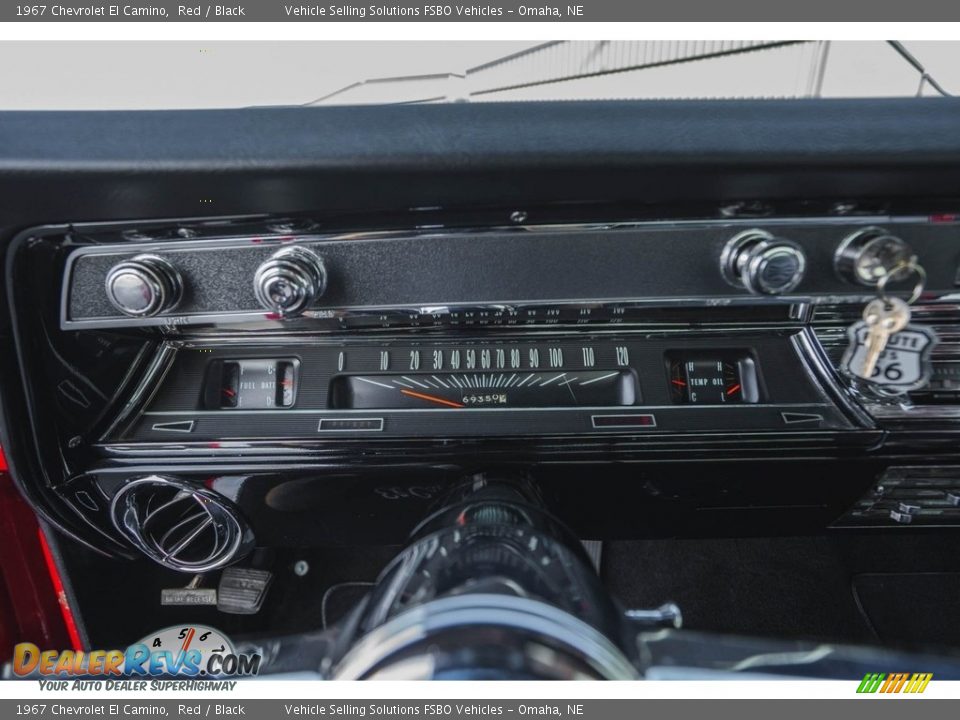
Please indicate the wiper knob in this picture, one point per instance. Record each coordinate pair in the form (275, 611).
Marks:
(144, 286)
(290, 280)
(763, 264)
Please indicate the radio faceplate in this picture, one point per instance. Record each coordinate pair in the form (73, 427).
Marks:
(549, 274)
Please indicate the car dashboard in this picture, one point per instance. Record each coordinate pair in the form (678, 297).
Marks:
(319, 321)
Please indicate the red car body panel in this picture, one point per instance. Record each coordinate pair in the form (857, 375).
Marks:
(33, 604)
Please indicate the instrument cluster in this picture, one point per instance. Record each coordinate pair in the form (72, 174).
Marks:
(393, 361)
(494, 385)
(647, 327)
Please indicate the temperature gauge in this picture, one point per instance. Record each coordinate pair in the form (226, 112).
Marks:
(713, 378)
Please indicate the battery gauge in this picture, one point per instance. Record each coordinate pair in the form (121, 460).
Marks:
(713, 378)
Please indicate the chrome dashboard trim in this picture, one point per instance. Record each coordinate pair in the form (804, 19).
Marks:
(825, 375)
(830, 330)
(144, 392)
(173, 322)
(177, 322)
(648, 442)
(514, 332)
(914, 412)
(584, 408)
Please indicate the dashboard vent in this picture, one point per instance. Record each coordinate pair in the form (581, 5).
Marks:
(942, 395)
(925, 496)
(179, 525)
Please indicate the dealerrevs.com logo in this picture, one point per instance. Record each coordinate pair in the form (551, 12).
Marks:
(192, 651)
(889, 683)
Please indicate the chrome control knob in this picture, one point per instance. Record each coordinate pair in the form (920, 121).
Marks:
(290, 280)
(762, 263)
(870, 254)
(143, 286)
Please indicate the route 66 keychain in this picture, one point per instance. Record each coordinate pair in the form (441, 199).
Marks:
(886, 351)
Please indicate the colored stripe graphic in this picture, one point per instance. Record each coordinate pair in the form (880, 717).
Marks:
(919, 682)
(894, 683)
(871, 682)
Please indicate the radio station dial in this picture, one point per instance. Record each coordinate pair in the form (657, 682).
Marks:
(144, 286)
(289, 281)
(763, 264)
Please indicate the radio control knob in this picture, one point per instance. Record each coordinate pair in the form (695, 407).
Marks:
(290, 280)
(763, 264)
(143, 286)
(868, 255)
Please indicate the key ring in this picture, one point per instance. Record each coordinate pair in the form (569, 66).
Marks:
(908, 267)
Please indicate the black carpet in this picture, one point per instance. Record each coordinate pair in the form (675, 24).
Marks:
(905, 607)
(777, 587)
(900, 590)
(818, 588)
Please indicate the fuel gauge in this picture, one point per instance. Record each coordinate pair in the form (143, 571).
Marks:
(254, 384)
(713, 378)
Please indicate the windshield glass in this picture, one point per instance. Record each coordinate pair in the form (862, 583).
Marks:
(160, 75)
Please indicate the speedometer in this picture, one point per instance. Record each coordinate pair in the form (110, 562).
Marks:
(453, 391)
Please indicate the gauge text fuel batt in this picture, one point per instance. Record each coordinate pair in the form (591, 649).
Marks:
(363, 11)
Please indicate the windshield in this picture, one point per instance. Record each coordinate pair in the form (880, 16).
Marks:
(160, 75)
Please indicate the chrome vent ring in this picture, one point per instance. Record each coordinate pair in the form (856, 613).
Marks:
(181, 526)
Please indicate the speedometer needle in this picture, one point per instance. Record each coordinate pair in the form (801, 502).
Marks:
(431, 398)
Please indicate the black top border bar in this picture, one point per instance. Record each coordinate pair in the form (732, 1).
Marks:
(494, 11)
